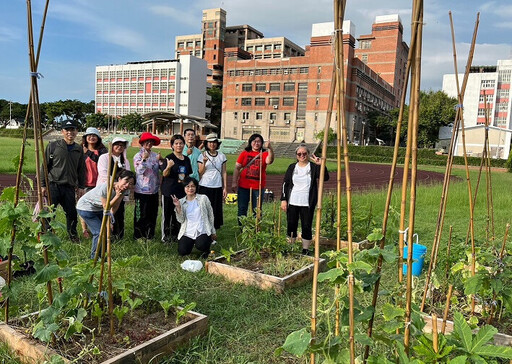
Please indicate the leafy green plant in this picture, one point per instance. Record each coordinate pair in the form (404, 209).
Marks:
(166, 306)
(120, 312)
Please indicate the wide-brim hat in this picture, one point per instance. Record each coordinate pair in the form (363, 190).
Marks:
(70, 124)
(212, 137)
(120, 140)
(148, 136)
(92, 131)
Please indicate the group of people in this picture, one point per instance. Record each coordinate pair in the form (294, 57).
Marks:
(190, 185)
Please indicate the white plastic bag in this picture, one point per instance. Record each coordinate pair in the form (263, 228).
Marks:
(192, 265)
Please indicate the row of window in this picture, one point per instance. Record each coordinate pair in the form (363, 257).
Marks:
(504, 75)
(165, 72)
(137, 99)
(261, 101)
(483, 98)
(269, 71)
(135, 86)
(367, 97)
(189, 44)
(262, 87)
(487, 84)
(123, 110)
(503, 93)
(266, 47)
(259, 115)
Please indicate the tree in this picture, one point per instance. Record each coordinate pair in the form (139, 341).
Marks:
(381, 125)
(215, 104)
(98, 120)
(131, 122)
(16, 111)
(331, 136)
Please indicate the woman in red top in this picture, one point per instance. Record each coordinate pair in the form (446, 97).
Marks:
(247, 173)
(93, 148)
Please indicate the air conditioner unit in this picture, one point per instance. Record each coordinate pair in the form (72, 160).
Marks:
(276, 106)
(271, 122)
(243, 121)
(287, 121)
(267, 91)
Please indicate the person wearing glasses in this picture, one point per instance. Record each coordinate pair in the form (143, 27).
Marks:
(195, 214)
(118, 156)
(300, 195)
(147, 169)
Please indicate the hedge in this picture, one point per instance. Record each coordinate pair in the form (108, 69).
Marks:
(16, 133)
(381, 154)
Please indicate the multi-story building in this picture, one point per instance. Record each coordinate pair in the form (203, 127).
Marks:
(486, 98)
(277, 47)
(286, 99)
(177, 86)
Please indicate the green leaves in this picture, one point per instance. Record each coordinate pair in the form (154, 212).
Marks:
(390, 312)
(297, 342)
(463, 331)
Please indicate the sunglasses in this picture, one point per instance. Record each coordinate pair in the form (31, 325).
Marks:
(304, 154)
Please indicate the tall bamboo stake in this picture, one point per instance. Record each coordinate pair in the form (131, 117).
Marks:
(490, 208)
(434, 333)
(392, 179)
(318, 220)
(448, 249)
(415, 93)
(446, 182)
(110, 295)
(447, 308)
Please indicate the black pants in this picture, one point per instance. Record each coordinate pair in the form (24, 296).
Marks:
(118, 228)
(305, 213)
(217, 202)
(144, 215)
(170, 225)
(65, 196)
(202, 243)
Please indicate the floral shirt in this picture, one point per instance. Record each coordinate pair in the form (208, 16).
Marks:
(147, 172)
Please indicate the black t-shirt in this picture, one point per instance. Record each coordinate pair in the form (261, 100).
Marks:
(172, 184)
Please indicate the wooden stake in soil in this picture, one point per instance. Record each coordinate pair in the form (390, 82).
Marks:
(447, 308)
(434, 333)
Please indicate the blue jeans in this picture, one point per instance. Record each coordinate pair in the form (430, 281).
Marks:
(243, 200)
(93, 220)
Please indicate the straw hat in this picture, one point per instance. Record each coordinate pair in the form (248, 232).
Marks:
(212, 137)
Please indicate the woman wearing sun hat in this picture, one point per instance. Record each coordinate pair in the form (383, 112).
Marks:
(93, 149)
(146, 165)
(118, 156)
(213, 183)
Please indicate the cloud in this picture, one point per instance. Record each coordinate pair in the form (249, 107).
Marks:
(9, 34)
(186, 16)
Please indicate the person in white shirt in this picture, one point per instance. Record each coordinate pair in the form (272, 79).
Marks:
(212, 169)
(195, 214)
(300, 195)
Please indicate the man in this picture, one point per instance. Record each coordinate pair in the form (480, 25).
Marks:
(66, 174)
(192, 151)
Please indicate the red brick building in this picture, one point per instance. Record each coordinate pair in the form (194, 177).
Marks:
(286, 99)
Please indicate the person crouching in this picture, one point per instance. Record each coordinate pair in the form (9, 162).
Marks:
(195, 214)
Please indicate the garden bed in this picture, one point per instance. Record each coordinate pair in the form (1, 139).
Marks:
(240, 269)
(331, 242)
(142, 337)
(499, 338)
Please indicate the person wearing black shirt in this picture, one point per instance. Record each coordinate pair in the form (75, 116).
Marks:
(175, 168)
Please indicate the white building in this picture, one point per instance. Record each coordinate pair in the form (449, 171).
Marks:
(487, 96)
(177, 86)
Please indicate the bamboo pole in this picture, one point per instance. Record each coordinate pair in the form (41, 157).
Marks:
(392, 179)
(318, 220)
(458, 119)
(415, 92)
(448, 252)
(446, 308)
(109, 287)
(435, 333)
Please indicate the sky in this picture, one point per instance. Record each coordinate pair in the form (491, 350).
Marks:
(81, 34)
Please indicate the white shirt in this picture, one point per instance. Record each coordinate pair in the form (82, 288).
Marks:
(195, 226)
(212, 176)
(301, 184)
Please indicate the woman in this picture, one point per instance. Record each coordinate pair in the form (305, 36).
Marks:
(118, 155)
(93, 149)
(250, 166)
(213, 183)
(90, 207)
(175, 168)
(147, 168)
(300, 195)
(195, 214)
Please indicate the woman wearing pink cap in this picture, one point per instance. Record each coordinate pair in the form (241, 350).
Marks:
(147, 165)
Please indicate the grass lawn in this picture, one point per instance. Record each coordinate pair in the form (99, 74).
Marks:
(246, 325)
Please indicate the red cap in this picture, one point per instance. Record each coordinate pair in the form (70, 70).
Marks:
(148, 136)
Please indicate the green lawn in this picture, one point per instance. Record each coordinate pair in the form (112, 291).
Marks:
(246, 325)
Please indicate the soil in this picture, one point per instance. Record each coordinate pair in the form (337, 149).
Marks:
(136, 329)
(276, 266)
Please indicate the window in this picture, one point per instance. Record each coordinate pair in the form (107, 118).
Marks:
(259, 101)
(289, 86)
(365, 44)
(277, 46)
(258, 48)
(304, 70)
(197, 53)
(287, 116)
(236, 101)
(190, 44)
(261, 87)
(364, 58)
(259, 116)
(198, 43)
(273, 101)
(288, 101)
(487, 84)
(235, 115)
(250, 49)
(268, 47)
(245, 115)
(246, 87)
(275, 87)
(317, 101)
(273, 116)
(246, 101)
(214, 56)
(316, 116)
